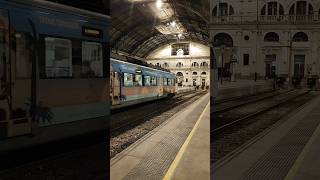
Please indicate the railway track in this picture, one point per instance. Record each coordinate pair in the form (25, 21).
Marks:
(245, 110)
(235, 132)
(237, 102)
(135, 116)
(144, 119)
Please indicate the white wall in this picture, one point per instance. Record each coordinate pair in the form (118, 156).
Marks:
(197, 53)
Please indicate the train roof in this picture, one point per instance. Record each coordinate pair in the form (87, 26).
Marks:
(43, 18)
(136, 61)
(123, 66)
(59, 7)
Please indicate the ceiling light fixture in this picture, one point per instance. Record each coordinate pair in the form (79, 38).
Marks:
(173, 23)
(159, 4)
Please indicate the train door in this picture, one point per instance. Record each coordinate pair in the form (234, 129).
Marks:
(4, 90)
(160, 85)
(21, 75)
(115, 88)
(271, 65)
(299, 61)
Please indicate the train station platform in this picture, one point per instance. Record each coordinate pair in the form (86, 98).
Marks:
(229, 90)
(167, 151)
(288, 150)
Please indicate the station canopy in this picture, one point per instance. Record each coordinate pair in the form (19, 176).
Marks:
(141, 26)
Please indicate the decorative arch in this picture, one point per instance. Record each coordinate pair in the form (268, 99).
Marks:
(301, 8)
(204, 64)
(203, 73)
(272, 8)
(179, 74)
(195, 64)
(194, 73)
(271, 37)
(223, 9)
(300, 37)
(165, 65)
(222, 39)
(179, 64)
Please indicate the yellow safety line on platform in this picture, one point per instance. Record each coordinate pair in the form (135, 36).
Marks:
(294, 169)
(176, 161)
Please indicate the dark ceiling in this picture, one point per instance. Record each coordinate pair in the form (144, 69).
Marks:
(100, 6)
(133, 24)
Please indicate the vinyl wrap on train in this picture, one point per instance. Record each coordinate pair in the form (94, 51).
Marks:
(54, 70)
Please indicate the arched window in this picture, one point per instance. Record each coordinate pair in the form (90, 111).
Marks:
(179, 74)
(179, 64)
(158, 64)
(204, 64)
(223, 9)
(222, 39)
(272, 8)
(165, 65)
(195, 64)
(300, 8)
(203, 73)
(271, 37)
(300, 37)
(194, 73)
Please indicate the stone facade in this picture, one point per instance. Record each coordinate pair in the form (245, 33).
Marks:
(191, 70)
(266, 38)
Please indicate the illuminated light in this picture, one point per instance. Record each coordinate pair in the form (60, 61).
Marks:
(173, 23)
(159, 4)
(179, 35)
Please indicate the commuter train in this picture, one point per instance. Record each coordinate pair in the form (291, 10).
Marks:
(53, 71)
(133, 83)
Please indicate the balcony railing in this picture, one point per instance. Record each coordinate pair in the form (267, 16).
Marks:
(274, 19)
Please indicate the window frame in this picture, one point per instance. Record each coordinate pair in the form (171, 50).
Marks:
(42, 54)
(124, 83)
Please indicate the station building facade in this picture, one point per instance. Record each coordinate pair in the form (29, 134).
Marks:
(188, 60)
(266, 38)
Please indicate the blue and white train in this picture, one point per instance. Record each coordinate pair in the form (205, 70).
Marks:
(54, 78)
(133, 83)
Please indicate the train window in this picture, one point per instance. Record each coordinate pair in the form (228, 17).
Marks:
(147, 80)
(159, 81)
(23, 55)
(170, 82)
(58, 61)
(92, 65)
(127, 79)
(153, 81)
(165, 82)
(137, 80)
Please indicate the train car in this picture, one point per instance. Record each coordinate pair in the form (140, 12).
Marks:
(132, 83)
(53, 71)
